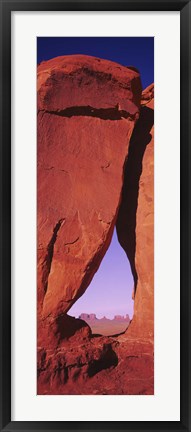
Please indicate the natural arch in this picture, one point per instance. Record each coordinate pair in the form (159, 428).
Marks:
(95, 172)
(107, 304)
(127, 212)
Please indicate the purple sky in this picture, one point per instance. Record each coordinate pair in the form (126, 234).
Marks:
(111, 288)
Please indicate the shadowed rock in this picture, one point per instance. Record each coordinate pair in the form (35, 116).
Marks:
(135, 222)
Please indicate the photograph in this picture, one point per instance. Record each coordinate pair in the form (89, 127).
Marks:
(95, 215)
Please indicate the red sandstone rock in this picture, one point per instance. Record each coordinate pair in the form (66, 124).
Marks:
(135, 224)
(55, 332)
(100, 366)
(147, 97)
(82, 81)
(80, 168)
(81, 156)
(144, 259)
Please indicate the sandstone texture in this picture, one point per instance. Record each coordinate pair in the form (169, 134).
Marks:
(98, 366)
(135, 223)
(95, 171)
(144, 259)
(81, 158)
(79, 81)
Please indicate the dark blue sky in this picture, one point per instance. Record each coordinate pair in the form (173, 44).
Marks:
(128, 51)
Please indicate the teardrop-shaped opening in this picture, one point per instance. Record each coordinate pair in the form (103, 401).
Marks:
(107, 304)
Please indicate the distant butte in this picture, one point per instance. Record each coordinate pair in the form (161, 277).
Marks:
(92, 316)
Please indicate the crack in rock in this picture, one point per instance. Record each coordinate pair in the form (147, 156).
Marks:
(50, 252)
(72, 242)
(102, 113)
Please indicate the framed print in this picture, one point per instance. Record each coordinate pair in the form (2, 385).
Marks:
(95, 215)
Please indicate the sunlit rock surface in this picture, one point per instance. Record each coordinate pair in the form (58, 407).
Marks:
(89, 179)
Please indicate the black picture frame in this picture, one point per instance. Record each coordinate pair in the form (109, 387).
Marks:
(184, 6)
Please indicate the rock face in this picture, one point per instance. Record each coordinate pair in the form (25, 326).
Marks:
(87, 109)
(144, 259)
(135, 223)
(100, 366)
(77, 81)
(54, 333)
(95, 170)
